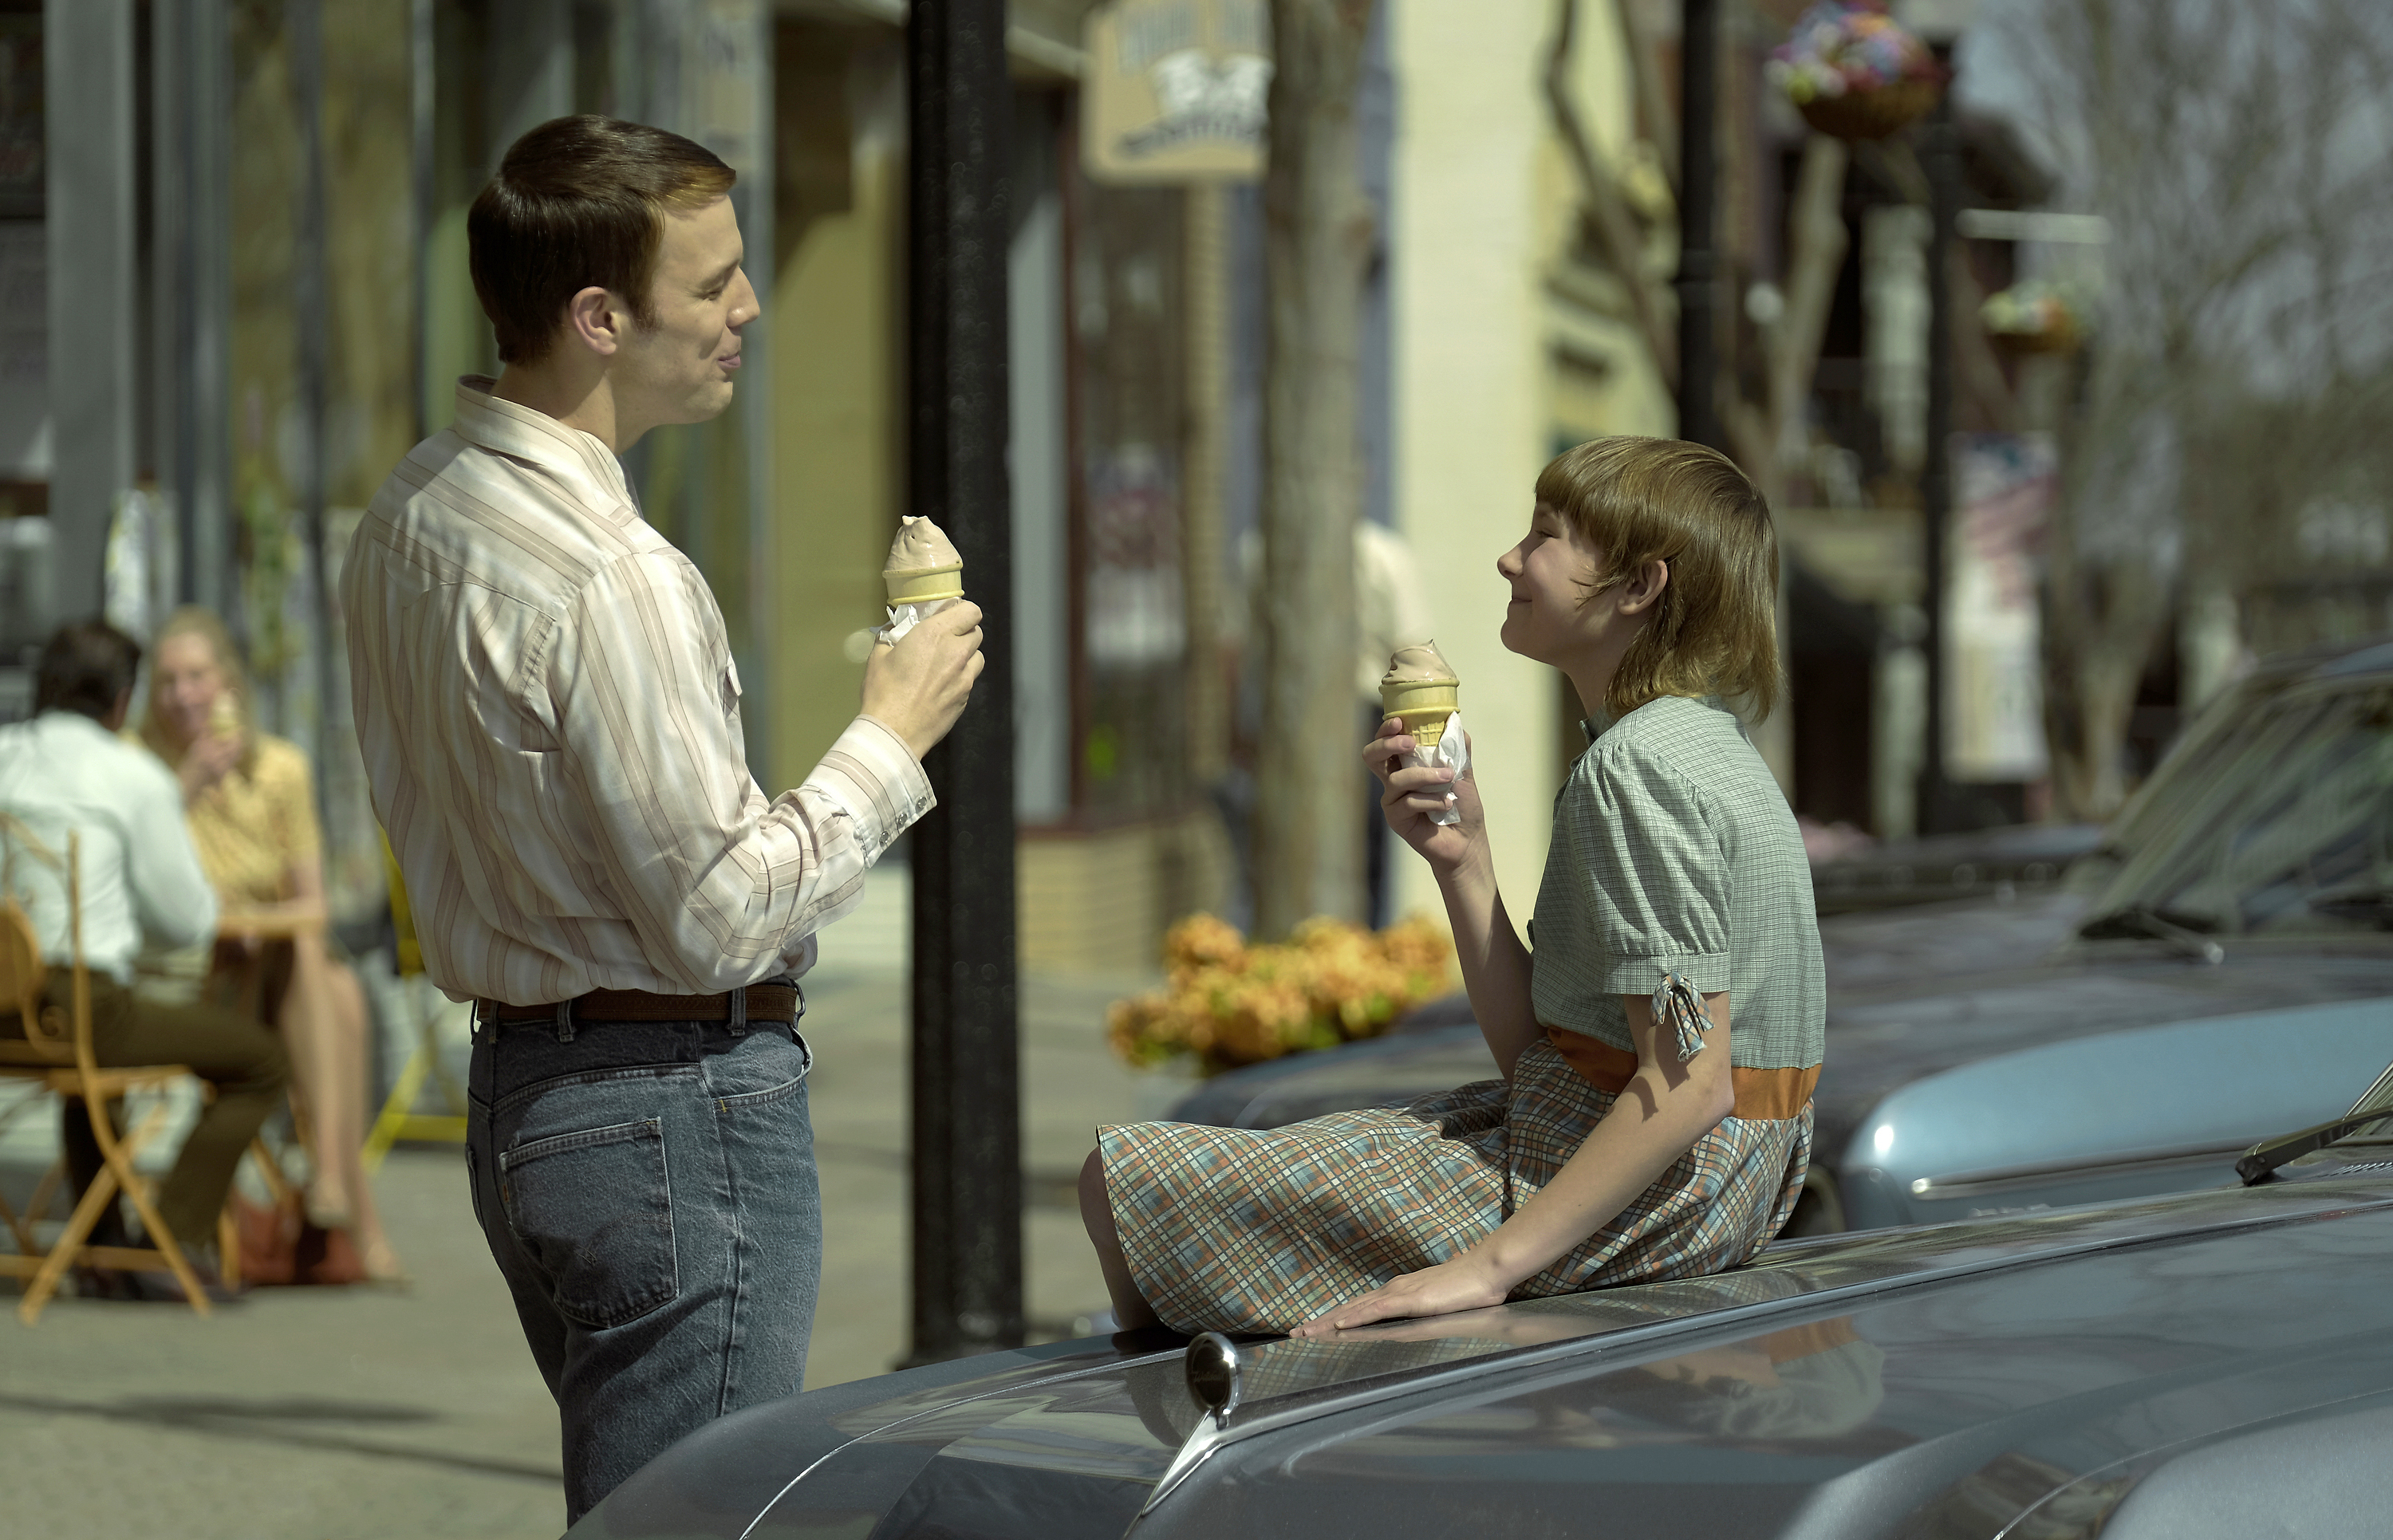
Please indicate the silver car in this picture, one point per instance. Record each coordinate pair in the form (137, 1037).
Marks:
(2216, 1364)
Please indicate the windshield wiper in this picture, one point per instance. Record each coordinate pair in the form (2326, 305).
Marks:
(2375, 1104)
(2362, 905)
(2270, 1153)
(2137, 920)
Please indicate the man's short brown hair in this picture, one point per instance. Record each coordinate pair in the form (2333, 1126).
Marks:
(1634, 500)
(87, 668)
(577, 204)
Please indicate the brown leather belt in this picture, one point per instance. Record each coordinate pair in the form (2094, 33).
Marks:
(772, 1003)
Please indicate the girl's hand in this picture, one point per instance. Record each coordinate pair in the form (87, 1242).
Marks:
(1410, 793)
(1461, 1282)
(206, 762)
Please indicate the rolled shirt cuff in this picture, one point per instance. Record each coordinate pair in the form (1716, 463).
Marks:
(871, 774)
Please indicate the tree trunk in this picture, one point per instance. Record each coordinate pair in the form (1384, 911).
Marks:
(1308, 827)
(2102, 618)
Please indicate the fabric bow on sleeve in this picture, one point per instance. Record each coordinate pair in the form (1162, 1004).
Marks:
(1677, 1004)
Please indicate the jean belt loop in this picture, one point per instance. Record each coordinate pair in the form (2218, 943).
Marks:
(481, 1014)
(565, 1021)
(739, 1020)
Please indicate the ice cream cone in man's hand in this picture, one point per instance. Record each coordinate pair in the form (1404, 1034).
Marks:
(924, 571)
(919, 690)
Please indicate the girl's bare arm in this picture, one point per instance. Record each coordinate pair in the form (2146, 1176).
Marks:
(1495, 965)
(1657, 1118)
(1664, 1108)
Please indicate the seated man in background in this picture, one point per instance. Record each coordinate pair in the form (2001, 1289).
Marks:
(66, 772)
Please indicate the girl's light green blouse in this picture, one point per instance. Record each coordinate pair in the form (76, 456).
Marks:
(1674, 851)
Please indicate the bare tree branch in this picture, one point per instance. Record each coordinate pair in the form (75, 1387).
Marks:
(1656, 118)
(1608, 219)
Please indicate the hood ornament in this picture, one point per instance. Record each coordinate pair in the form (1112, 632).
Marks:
(1215, 1375)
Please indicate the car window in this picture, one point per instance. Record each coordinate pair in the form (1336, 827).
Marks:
(2281, 823)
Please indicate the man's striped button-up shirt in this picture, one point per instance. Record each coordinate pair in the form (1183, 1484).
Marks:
(550, 717)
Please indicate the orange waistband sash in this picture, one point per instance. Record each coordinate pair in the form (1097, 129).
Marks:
(1763, 1093)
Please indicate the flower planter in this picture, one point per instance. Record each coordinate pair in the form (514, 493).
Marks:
(1229, 1003)
(1872, 112)
(2064, 338)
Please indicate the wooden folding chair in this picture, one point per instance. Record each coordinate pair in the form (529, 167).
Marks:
(57, 1052)
(399, 1118)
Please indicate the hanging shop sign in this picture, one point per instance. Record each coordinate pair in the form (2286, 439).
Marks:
(1176, 91)
(1993, 669)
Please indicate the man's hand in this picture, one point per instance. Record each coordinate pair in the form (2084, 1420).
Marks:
(919, 686)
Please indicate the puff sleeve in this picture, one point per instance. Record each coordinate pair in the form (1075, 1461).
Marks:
(1655, 877)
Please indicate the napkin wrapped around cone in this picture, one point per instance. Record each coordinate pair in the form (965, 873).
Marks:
(1421, 691)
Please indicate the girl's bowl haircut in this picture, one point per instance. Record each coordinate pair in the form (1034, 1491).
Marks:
(1714, 632)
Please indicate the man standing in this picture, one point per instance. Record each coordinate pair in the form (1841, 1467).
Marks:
(550, 717)
(67, 772)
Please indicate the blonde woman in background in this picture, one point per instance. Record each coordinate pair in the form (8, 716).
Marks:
(251, 803)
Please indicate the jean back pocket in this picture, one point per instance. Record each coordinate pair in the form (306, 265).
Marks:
(595, 1213)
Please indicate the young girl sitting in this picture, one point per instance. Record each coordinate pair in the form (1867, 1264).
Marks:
(1644, 1128)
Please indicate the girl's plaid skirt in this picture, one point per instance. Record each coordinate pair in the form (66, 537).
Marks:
(1244, 1230)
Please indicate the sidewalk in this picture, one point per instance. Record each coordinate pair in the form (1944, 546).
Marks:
(856, 1021)
(362, 1415)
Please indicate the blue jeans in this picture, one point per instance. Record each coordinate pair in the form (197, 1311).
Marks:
(649, 1190)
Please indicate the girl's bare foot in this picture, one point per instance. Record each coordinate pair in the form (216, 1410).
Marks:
(329, 1206)
(381, 1261)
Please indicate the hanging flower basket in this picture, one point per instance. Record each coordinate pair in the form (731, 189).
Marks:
(2033, 317)
(1871, 113)
(1854, 73)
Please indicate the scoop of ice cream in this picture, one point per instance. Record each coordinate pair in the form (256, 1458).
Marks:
(1420, 664)
(920, 546)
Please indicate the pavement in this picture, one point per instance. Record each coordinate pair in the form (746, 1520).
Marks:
(365, 1413)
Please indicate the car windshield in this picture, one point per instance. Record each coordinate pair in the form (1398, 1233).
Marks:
(2277, 819)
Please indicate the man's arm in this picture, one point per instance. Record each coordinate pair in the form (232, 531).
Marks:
(170, 890)
(719, 883)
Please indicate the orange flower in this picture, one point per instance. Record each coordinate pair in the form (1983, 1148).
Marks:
(1229, 1003)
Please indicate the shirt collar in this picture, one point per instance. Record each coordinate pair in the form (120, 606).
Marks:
(521, 432)
(59, 719)
(1602, 721)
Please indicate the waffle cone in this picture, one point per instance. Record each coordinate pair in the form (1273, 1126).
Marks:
(923, 585)
(1425, 727)
(1426, 695)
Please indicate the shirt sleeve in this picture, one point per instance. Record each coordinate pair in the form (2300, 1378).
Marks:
(720, 883)
(290, 806)
(1655, 876)
(171, 893)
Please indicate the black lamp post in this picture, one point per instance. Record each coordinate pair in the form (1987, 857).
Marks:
(966, 1127)
(1940, 156)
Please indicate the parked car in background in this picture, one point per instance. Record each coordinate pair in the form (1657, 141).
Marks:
(2206, 1365)
(2219, 964)
(2001, 864)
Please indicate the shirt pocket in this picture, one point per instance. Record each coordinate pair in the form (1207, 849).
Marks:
(594, 1210)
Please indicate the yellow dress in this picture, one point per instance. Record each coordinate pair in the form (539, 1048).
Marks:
(249, 829)
(253, 826)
